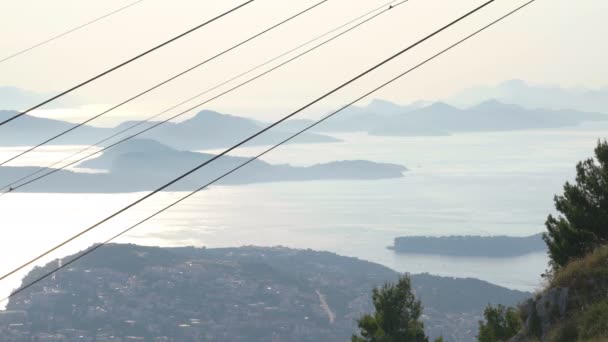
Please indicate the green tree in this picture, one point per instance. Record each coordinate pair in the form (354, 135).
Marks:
(397, 316)
(500, 324)
(583, 223)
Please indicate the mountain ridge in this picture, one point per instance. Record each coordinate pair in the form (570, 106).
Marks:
(536, 96)
(206, 130)
(441, 118)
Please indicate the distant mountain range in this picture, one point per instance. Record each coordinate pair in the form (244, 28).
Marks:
(206, 130)
(229, 294)
(209, 129)
(442, 119)
(30, 130)
(141, 165)
(536, 96)
(13, 98)
(486, 109)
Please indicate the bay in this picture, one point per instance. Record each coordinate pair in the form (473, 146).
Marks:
(499, 183)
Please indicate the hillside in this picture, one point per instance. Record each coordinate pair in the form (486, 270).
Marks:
(574, 305)
(232, 294)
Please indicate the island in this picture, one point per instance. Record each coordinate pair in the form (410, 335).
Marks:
(470, 246)
(144, 165)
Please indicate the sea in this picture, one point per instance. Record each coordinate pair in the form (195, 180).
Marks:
(489, 183)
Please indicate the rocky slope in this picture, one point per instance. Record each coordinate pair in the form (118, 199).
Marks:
(574, 305)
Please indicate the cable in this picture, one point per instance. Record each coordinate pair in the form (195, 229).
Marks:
(246, 140)
(164, 82)
(92, 249)
(124, 63)
(11, 187)
(69, 31)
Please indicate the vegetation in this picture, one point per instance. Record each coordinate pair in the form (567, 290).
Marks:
(574, 306)
(583, 223)
(591, 270)
(587, 281)
(501, 323)
(593, 323)
(587, 316)
(397, 316)
(260, 293)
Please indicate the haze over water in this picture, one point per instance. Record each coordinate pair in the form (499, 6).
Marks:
(466, 184)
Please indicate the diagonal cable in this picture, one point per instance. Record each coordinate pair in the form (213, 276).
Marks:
(162, 83)
(129, 61)
(94, 248)
(13, 187)
(246, 140)
(18, 53)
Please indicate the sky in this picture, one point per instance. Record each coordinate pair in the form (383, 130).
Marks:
(552, 42)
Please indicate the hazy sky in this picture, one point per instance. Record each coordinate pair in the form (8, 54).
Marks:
(556, 42)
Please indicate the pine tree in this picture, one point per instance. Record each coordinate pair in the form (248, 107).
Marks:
(500, 324)
(397, 316)
(583, 223)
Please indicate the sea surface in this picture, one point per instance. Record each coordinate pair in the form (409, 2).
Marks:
(466, 184)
